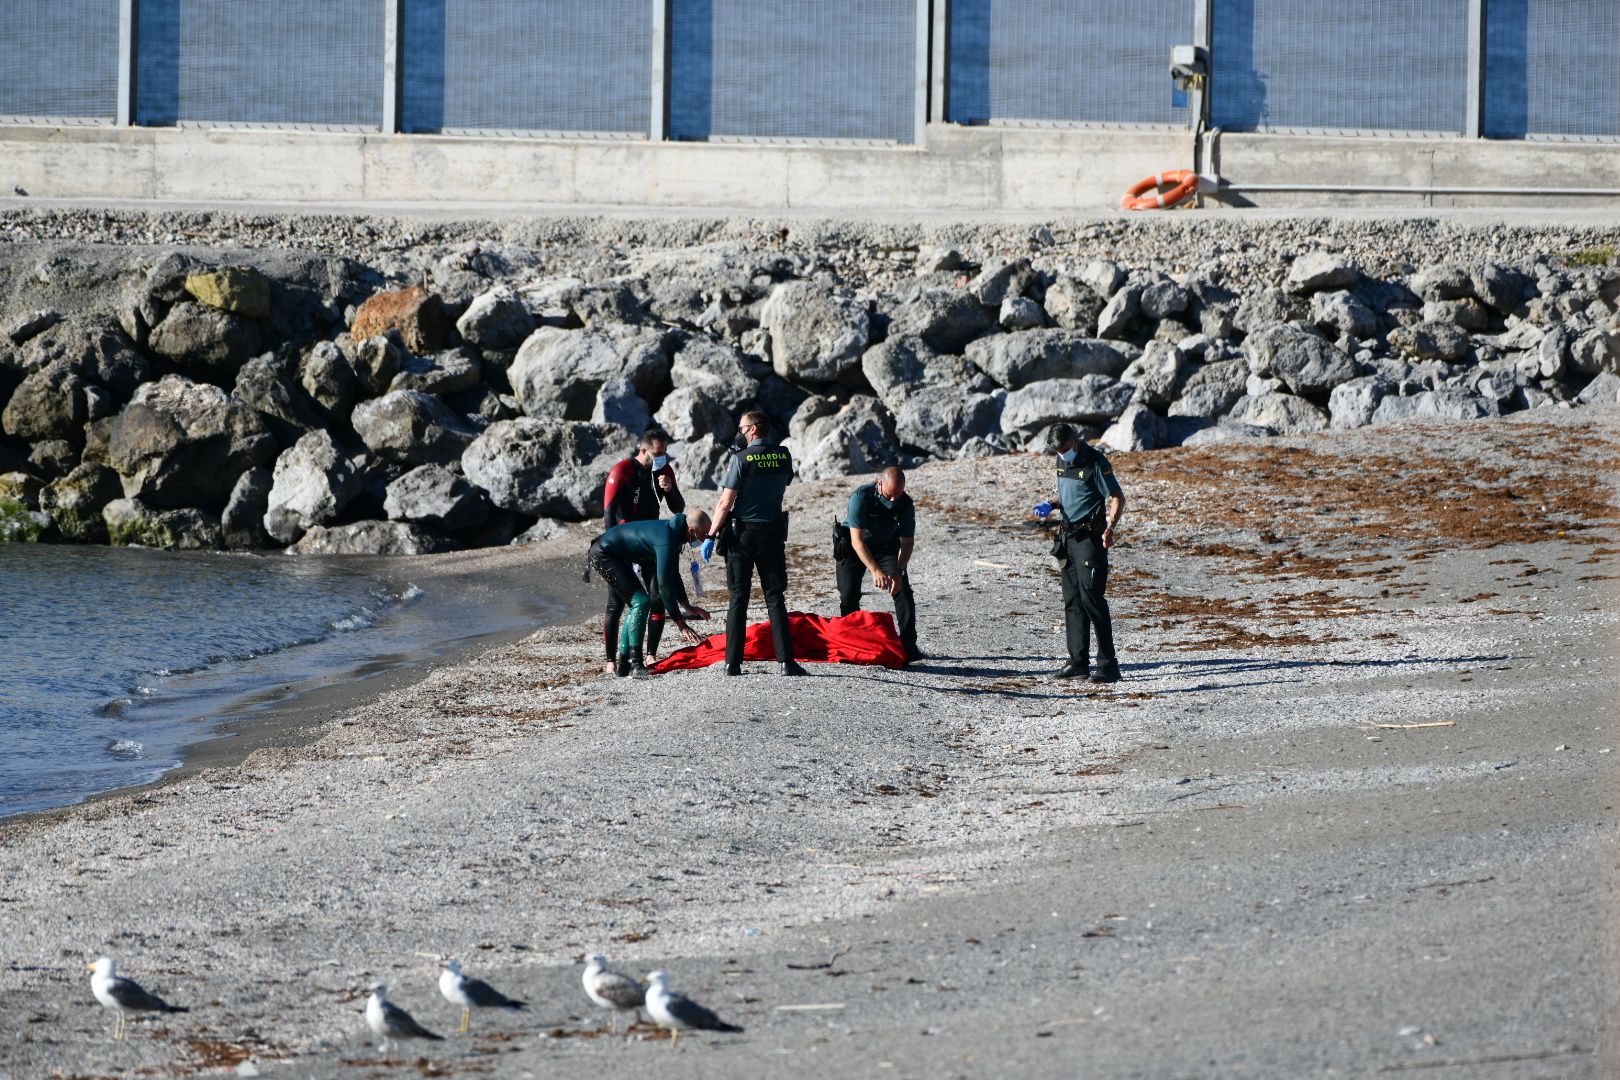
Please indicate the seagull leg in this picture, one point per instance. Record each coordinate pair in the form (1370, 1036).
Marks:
(674, 1037)
(466, 1019)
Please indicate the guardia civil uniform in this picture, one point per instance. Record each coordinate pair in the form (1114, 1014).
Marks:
(759, 474)
(1084, 486)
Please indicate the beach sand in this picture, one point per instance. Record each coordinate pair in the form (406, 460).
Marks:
(1221, 867)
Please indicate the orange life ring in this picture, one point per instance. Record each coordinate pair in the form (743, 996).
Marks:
(1185, 182)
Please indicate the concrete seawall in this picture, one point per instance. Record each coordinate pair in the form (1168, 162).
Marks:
(956, 169)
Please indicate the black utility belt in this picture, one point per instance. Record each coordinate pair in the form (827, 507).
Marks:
(745, 526)
(1091, 526)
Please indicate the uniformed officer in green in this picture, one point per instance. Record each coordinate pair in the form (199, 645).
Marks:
(1090, 501)
(882, 523)
(656, 545)
(752, 529)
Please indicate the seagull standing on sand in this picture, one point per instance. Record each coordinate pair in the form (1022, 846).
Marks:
(124, 995)
(392, 1022)
(612, 989)
(671, 1010)
(471, 993)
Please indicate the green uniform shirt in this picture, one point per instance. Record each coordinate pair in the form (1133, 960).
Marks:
(760, 476)
(652, 543)
(1085, 485)
(883, 522)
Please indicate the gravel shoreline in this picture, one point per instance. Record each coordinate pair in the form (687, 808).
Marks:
(1220, 867)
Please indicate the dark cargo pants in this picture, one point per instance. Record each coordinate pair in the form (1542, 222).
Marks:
(761, 547)
(1085, 579)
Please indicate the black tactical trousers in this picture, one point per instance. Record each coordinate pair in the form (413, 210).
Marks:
(851, 576)
(762, 547)
(1085, 579)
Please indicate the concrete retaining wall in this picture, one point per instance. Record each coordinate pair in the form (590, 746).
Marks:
(958, 169)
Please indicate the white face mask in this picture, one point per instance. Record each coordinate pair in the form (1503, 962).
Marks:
(1067, 457)
(659, 461)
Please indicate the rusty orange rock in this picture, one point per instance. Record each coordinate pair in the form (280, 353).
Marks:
(417, 314)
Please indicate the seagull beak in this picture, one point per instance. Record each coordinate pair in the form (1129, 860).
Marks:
(89, 967)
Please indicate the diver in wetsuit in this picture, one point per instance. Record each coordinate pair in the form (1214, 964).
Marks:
(655, 544)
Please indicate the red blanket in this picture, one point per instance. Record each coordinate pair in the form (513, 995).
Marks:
(865, 637)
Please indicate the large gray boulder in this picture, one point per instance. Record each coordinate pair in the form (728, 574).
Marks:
(900, 366)
(688, 413)
(1431, 341)
(1020, 313)
(1317, 270)
(1138, 428)
(1159, 374)
(721, 372)
(1089, 399)
(701, 463)
(206, 341)
(49, 404)
(947, 319)
(1344, 313)
(242, 524)
(1602, 390)
(329, 379)
(545, 468)
(313, 481)
(1212, 390)
(854, 440)
(1073, 305)
(1261, 308)
(939, 420)
(1102, 277)
(1016, 360)
(1445, 403)
(448, 372)
(266, 386)
(557, 374)
(75, 503)
(1595, 352)
(617, 403)
(1163, 299)
(377, 360)
(432, 495)
(132, 522)
(1307, 364)
(412, 428)
(996, 281)
(1444, 281)
(370, 538)
(816, 335)
(1120, 312)
(100, 353)
(180, 443)
(497, 319)
(1352, 404)
(1502, 287)
(1283, 414)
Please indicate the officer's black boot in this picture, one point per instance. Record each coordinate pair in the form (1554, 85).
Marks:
(1074, 669)
(733, 668)
(1106, 673)
(621, 666)
(792, 667)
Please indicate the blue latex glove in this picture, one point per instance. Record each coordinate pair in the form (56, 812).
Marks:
(707, 549)
(1043, 509)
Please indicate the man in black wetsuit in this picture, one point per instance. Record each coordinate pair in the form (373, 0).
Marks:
(635, 488)
(1090, 502)
(656, 546)
(882, 527)
(752, 528)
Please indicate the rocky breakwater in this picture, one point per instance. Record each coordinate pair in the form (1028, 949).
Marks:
(207, 399)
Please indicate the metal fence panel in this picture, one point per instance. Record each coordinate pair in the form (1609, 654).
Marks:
(1550, 69)
(1066, 61)
(59, 59)
(287, 63)
(561, 66)
(793, 69)
(1363, 66)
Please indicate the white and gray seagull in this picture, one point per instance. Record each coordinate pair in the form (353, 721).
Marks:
(671, 1010)
(392, 1022)
(124, 995)
(612, 989)
(471, 993)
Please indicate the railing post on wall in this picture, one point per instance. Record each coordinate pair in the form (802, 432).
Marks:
(658, 127)
(1203, 38)
(393, 86)
(939, 68)
(128, 43)
(921, 80)
(1474, 125)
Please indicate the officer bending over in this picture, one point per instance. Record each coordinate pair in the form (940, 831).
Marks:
(1090, 501)
(881, 527)
(635, 488)
(752, 530)
(657, 544)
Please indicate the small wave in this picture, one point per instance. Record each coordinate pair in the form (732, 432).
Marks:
(361, 620)
(115, 707)
(411, 593)
(126, 749)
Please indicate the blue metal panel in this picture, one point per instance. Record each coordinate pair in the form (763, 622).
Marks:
(1340, 65)
(793, 69)
(581, 66)
(59, 59)
(1551, 70)
(287, 63)
(1070, 61)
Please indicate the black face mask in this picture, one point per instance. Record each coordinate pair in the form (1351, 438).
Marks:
(740, 442)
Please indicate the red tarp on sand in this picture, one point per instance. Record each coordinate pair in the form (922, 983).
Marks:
(864, 637)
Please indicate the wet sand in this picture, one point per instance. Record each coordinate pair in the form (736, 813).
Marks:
(1222, 867)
